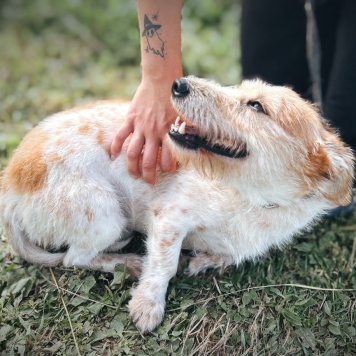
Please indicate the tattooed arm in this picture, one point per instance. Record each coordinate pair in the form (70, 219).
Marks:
(151, 114)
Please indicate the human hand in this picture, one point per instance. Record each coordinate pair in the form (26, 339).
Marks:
(149, 118)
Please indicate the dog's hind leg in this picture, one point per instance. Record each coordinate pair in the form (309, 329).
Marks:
(102, 228)
(203, 261)
(106, 262)
(88, 249)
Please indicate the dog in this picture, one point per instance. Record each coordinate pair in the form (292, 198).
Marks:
(257, 165)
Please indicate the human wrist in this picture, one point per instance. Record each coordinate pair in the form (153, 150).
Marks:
(159, 69)
(161, 76)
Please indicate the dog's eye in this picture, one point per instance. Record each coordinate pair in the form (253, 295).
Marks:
(256, 105)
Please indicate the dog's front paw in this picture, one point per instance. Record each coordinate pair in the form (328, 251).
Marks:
(146, 311)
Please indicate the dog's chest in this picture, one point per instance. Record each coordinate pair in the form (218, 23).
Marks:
(221, 219)
(208, 213)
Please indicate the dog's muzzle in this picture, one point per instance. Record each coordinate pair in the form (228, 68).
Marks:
(189, 138)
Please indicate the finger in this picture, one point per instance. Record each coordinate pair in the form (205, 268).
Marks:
(133, 154)
(149, 161)
(125, 130)
(168, 162)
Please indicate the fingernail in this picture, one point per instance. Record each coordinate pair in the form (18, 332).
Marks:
(113, 157)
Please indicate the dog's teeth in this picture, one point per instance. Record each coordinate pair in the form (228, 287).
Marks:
(181, 129)
(177, 121)
(172, 127)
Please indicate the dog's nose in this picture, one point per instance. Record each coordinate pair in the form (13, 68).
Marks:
(180, 87)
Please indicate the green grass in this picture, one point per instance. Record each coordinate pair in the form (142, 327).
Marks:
(299, 301)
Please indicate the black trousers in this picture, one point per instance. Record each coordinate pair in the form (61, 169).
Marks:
(273, 48)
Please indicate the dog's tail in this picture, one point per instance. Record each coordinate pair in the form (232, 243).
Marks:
(19, 241)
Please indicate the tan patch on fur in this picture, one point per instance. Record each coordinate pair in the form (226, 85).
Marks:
(67, 124)
(318, 164)
(264, 225)
(343, 200)
(89, 214)
(60, 210)
(55, 158)
(340, 192)
(107, 258)
(134, 267)
(156, 211)
(165, 243)
(201, 228)
(134, 272)
(27, 170)
(59, 141)
(63, 214)
(100, 137)
(83, 129)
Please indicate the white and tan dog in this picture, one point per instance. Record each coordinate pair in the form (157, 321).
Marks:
(257, 165)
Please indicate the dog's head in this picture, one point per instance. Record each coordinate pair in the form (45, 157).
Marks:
(262, 135)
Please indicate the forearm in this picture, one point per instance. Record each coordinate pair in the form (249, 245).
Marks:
(160, 36)
(151, 113)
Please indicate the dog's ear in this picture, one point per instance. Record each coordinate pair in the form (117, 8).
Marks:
(338, 178)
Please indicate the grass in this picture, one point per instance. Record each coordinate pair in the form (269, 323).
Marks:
(299, 301)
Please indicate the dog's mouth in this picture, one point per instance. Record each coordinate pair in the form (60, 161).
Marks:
(186, 135)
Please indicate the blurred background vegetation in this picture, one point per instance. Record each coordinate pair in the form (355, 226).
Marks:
(56, 54)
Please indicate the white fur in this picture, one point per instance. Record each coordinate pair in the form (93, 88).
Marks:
(214, 205)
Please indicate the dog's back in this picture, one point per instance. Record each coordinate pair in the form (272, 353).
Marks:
(61, 188)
